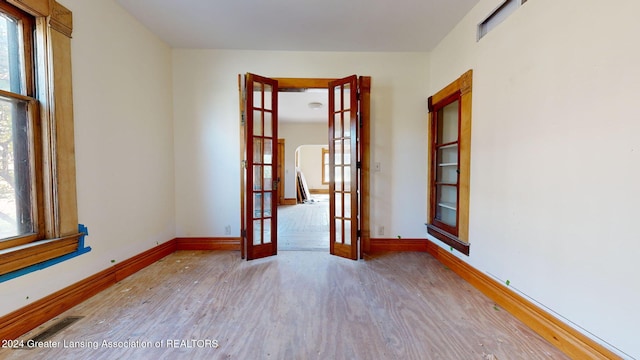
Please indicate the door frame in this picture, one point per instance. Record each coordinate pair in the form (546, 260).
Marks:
(364, 85)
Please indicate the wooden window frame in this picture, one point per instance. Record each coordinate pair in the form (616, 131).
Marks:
(26, 96)
(57, 221)
(461, 90)
(435, 147)
(325, 165)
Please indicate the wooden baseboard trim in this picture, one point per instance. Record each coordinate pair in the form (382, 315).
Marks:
(381, 245)
(569, 340)
(144, 259)
(18, 322)
(292, 201)
(318, 191)
(230, 243)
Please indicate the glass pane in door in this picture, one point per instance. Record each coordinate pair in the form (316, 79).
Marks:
(268, 151)
(266, 232)
(268, 124)
(257, 177)
(257, 232)
(257, 206)
(267, 205)
(347, 127)
(337, 125)
(347, 205)
(257, 150)
(338, 232)
(268, 178)
(347, 232)
(257, 122)
(267, 93)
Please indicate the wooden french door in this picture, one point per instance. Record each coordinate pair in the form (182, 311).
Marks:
(343, 167)
(260, 114)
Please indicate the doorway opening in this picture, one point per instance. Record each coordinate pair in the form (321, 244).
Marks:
(304, 226)
(347, 132)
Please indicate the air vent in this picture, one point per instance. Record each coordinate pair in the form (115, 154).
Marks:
(498, 15)
(54, 329)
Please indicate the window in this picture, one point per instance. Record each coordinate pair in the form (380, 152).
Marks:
(19, 198)
(449, 163)
(445, 148)
(38, 211)
(325, 166)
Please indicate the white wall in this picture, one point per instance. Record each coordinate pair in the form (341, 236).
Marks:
(297, 135)
(556, 157)
(124, 147)
(207, 137)
(311, 165)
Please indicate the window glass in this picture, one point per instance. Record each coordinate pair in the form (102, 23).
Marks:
(448, 123)
(15, 170)
(16, 205)
(11, 55)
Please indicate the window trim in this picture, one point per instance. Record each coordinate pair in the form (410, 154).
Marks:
(62, 237)
(325, 175)
(462, 88)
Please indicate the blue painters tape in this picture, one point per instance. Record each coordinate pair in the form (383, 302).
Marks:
(45, 264)
(84, 231)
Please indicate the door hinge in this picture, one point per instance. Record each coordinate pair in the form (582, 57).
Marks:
(359, 233)
(358, 164)
(244, 164)
(242, 121)
(243, 233)
(358, 96)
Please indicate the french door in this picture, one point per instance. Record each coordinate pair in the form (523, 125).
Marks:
(260, 115)
(259, 108)
(344, 177)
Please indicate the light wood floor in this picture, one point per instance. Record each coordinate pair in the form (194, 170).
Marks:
(304, 226)
(297, 305)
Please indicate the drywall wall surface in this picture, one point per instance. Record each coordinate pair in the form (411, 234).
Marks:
(124, 147)
(555, 157)
(311, 165)
(207, 131)
(297, 135)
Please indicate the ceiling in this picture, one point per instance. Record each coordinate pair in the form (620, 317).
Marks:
(301, 25)
(294, 106)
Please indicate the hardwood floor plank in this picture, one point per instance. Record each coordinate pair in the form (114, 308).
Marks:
(304, 226)
(297, 305)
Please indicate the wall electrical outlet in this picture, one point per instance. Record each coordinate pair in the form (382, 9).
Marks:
(380, 230)
(227, 230)
(376, 166)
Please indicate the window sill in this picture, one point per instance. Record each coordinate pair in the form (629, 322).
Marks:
(26, 258)
(448, 239)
